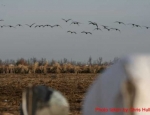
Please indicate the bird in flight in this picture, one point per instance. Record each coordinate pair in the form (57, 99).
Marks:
(93, 23)
(56, 25)
(2, 26)
(86, 32)
(1, 20)
(97, 29)
(47, 25)
(71, 32)
(119, 22)
(131, 24)
(39, 26)
(115, 29)
(66, 20)
(105, 27)
(18, 25)
(138, 26)
(146, 27)
(76, 23)
(30, 25)
(10, 26)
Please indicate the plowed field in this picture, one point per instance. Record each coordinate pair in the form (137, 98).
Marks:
(71, 85)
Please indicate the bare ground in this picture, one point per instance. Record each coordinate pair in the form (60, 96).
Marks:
(72, 86)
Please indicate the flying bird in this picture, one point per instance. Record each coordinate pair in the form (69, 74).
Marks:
(43, 100)
(97, 29)
(119, 22)
(86, 32)
(131, 24)
(125, 84)
(115, 29)
(146, 27)
(93, 23)
(57, 25)
(105, 27)
(30, 25)
(76, 23)
(39, 26)
(47, 25)
(138, 26)
(1, 20)
(66, 20)
(71, 32)
(18, 25)
(2, 26)
(10, 26)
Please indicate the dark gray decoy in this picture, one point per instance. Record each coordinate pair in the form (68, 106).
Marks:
(43, 100)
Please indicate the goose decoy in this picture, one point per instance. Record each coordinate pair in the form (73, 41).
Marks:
(43, 100)
(119, 22)
(71, 32)
(122, 89)
(66, 20)
(30, 25)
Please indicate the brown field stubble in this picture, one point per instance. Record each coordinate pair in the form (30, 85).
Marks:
(71, 85)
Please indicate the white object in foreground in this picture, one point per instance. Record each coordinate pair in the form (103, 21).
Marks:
(123, 89)
(42, 100)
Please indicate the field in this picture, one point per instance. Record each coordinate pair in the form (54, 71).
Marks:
(71, 85)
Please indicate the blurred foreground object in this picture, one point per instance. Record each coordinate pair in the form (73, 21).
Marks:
(42, 100)
(125, 84)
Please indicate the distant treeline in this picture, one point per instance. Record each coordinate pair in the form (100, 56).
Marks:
(33, 65)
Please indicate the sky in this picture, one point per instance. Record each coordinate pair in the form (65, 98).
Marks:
(55, 43)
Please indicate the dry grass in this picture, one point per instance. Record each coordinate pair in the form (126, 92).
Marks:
(71, 85)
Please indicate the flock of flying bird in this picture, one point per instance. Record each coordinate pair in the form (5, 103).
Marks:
(76, 23)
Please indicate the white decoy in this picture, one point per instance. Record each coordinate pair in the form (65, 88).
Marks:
(42, 100)
(125, 84)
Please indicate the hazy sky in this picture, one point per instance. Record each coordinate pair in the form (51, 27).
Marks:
(56, 43)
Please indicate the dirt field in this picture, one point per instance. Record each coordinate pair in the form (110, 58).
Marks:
(71, 85)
